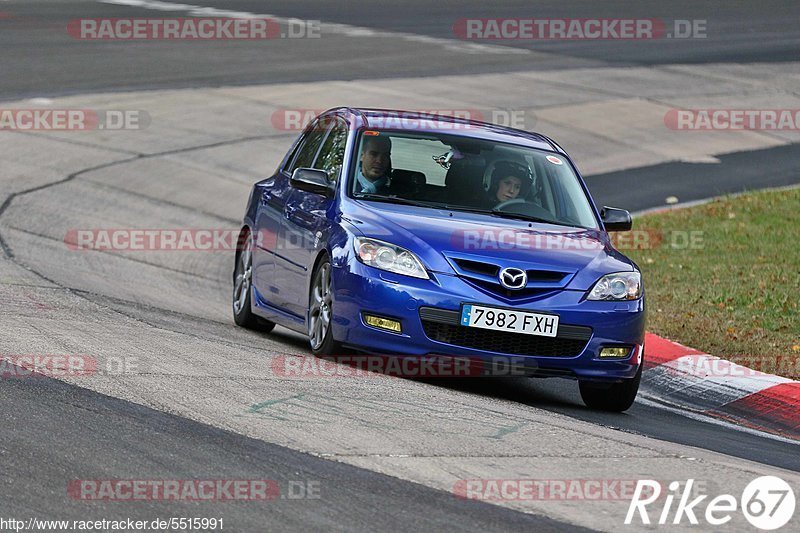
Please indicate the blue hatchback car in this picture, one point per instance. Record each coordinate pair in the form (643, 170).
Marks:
(407, 234)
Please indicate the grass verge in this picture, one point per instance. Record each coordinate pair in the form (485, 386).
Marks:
(724, 277)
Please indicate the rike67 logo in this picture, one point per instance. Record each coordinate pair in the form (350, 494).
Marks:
(767, 502)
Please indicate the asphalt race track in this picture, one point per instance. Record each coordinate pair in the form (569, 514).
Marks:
(201, 400)
(37, 57)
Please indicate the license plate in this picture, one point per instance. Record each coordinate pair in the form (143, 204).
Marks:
(476, 316)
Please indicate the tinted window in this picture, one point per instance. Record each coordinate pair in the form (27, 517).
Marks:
(332, 154)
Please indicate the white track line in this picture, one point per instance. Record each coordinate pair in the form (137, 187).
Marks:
(454, 45)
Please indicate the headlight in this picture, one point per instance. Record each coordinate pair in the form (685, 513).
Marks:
(389, 257)
(617, 286)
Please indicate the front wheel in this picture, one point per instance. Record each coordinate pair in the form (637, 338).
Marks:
(616, 397)
(320, 312)
(242, 282)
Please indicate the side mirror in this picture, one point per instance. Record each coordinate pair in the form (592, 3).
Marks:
(616, 219)
(312, 180)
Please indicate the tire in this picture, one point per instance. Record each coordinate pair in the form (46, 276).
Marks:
(320, 312)
(616, 397)
(242, 288)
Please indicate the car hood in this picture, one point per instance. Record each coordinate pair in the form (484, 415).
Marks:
(445, 240)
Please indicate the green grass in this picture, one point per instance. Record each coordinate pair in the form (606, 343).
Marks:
(735, 294)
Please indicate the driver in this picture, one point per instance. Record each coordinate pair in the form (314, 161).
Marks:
(509, 181)
(375, 167)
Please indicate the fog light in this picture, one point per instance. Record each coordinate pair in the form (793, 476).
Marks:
(383, 323)
(616, 352)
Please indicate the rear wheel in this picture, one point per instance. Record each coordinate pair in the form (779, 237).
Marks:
(320, 311)
(242, 284)
(615, 397)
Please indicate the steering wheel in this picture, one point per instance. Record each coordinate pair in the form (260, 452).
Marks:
(533, 209)
(513, 201)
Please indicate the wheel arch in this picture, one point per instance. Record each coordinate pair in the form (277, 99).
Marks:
(322, 254)
(239, 245)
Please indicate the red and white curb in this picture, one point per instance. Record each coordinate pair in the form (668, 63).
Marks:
(692, 380)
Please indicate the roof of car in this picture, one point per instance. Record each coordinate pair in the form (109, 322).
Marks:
(428, 122)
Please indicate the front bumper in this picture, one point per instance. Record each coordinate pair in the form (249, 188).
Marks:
(424, 308)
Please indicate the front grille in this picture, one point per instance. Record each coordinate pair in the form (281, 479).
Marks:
(442, 325)
(545, 276)
(492, 270)
(484, 276)
(477, 267)
(496, 288)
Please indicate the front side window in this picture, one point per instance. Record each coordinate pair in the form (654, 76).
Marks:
(307, 150)
(331, 155)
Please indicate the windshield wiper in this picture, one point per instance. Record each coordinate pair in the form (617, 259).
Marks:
(522, 216)
(418, 203)
(391, 199)
(436, 205)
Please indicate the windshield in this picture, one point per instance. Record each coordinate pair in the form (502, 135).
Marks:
(461, 173)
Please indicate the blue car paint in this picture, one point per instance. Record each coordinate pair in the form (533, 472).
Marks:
(302, 227)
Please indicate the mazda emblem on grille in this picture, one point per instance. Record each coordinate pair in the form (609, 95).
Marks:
(513, 278)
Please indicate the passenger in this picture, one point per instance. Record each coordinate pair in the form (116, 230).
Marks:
(509, 181)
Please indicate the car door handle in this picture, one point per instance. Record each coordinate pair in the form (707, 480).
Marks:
(289, 210)
(266, 196)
